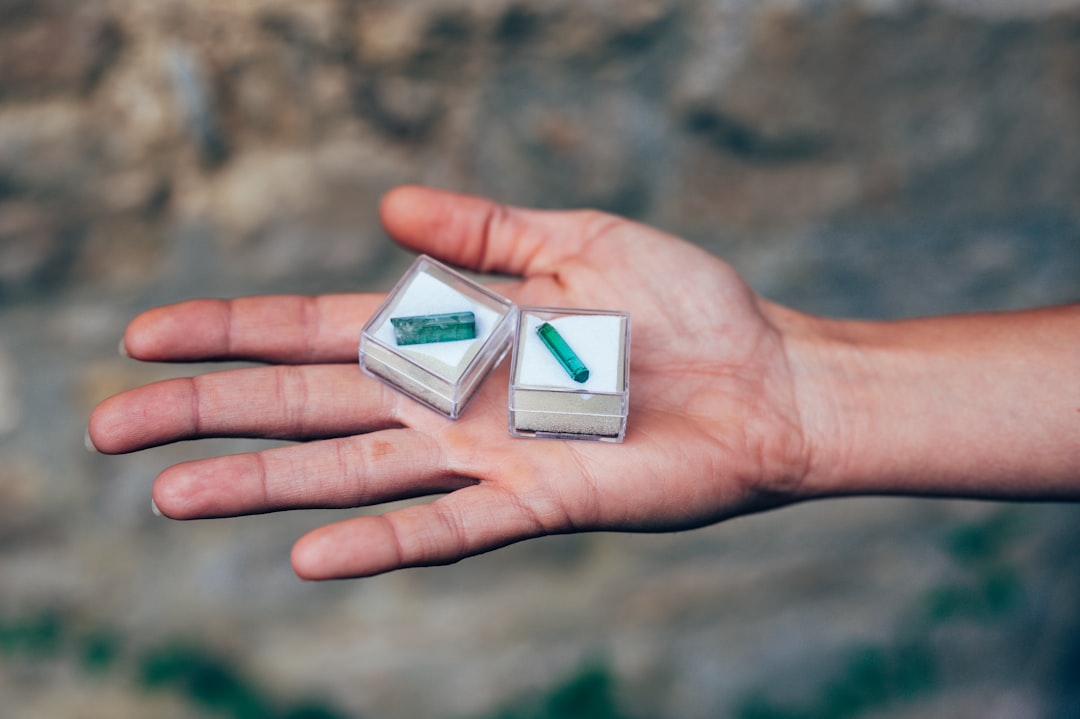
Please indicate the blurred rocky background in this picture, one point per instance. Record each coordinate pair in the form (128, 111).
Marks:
(874, 158)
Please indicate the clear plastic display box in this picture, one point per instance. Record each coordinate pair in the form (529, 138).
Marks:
(586, 396)
(444, 375)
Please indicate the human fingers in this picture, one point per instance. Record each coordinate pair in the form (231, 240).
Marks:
(485, 235)
(291, 329)
(282, 401)
(463, 523)
(347, 472)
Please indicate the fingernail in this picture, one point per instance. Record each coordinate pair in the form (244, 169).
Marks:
(154, 508)
(89, 443)
(122, 348)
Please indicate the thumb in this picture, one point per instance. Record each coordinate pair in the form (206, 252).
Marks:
(477, 233)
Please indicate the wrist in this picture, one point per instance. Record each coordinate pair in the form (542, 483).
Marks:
(830, 385)
(973, 405)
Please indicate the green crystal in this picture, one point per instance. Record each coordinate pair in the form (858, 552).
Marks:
(566, 356)
(425, 329)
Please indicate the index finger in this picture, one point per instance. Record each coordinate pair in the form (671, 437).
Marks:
(289, 329)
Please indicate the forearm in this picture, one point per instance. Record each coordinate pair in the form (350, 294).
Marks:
(976, 405)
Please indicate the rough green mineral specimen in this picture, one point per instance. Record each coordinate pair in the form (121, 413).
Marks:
(566, 356)
(425, 329)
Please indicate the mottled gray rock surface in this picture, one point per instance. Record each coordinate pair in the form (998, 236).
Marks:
(875, 158)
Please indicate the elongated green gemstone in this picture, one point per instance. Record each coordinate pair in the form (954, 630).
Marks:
(566, 356)
(425, 329)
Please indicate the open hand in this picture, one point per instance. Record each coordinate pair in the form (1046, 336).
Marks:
(713, 431)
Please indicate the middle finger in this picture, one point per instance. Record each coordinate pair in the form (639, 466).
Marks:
(279, 402)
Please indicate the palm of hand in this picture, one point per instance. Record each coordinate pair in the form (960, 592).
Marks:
(713, 427)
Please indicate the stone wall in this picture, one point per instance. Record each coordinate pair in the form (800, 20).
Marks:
(874, 158)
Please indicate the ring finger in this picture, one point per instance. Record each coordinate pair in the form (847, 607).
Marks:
(348, 472)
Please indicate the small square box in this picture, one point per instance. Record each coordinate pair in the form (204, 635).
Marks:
(546, 401)
(442, 375)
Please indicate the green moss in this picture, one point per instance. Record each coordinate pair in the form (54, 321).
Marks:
(984, 588)
(99, 650)
(980, 543)
(205, 678)
(587, 694)
(39, 635)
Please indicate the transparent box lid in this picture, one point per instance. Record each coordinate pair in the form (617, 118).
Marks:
(550, 398)
(442, 375)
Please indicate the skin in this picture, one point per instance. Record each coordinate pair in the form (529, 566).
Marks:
(737, 405)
